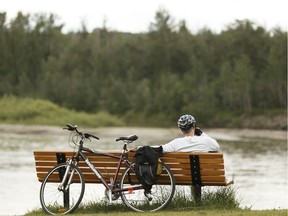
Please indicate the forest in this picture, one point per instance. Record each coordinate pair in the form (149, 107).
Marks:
(148, 77)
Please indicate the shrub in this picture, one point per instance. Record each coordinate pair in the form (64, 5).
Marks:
(35, 111)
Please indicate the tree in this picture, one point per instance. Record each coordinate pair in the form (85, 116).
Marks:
(244, 77)
(274, 77)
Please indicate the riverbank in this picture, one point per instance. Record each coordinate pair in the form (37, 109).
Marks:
(271, 121)
(28, 111)
(149, 133)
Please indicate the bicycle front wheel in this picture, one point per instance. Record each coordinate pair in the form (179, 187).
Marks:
(62, 200)
(161, 193)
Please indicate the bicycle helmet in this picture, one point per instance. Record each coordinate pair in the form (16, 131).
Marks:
(185, 122)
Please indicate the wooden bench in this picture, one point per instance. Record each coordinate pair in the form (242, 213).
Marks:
(196, 169)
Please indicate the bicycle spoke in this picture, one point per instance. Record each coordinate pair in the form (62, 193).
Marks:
(54, 199)
(159, 197)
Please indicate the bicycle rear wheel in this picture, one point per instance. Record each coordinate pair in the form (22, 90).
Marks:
(160, 196)
(55, 200)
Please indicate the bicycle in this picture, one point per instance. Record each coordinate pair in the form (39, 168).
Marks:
(63, 187)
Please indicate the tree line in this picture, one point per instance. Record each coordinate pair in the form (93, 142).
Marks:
(156, 75)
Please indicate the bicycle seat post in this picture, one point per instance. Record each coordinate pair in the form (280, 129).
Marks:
(125, 147)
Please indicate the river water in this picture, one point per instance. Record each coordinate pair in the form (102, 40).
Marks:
(256, 159)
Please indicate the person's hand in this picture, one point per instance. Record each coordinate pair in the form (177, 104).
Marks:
(198, 131)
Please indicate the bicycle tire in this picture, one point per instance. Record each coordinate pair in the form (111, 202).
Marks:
(161, 194)
(55, 201)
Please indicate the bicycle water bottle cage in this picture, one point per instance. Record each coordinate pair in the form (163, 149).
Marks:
(130, 138)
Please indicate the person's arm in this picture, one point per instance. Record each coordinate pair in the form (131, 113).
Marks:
(169, 147)
(212, 143)
(215, 146)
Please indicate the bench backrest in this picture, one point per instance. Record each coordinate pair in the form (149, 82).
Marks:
(199, 168)
(184, 168)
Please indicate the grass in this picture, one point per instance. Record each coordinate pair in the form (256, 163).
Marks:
(219, 202)
(193, 212)
(29, 111)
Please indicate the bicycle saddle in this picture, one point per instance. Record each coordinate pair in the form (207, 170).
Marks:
(128, 138)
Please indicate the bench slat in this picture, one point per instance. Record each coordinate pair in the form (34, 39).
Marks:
(202, 166)
(99, 164)
(202, 155)
(100, 158)
(69, 153)
(131, 154)
(89, 178)
(112, 170)
(81, 164)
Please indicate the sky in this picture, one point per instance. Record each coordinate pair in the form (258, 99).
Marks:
(136, 15)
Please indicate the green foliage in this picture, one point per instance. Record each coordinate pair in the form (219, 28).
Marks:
(157, 75)
(222, 198)
(216, 198)
(195, 212)
(31, 111)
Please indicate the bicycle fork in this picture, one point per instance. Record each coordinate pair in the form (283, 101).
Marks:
(64, 186)
(65, 183)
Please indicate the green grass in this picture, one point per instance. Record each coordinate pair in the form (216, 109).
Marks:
(29, 111)
(220, 201)
(192, 212)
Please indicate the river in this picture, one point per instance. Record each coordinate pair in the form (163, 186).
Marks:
(256, 159)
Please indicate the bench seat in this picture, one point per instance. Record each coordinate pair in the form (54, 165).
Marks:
(206, 170)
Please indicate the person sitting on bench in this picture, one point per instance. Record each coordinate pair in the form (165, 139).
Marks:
(194, 139)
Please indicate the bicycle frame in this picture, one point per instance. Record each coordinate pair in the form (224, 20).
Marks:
(111, 187)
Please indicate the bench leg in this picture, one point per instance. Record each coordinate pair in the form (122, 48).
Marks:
(196, 192)
(196, 178)
(61, 158)
(66, 199)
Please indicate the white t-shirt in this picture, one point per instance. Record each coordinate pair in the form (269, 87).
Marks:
(202, 143)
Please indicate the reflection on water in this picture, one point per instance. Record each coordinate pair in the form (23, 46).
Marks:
(259, 166)
(260, 169)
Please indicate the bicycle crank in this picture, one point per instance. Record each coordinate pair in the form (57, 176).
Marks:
(114, 196)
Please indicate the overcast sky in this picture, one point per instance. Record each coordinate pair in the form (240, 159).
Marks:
(136, 15)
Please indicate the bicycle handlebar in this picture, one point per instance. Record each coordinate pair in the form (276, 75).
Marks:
(71, 127)
(74, 128)
(88, 135)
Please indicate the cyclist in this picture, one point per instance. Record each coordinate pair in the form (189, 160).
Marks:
(194, 139)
